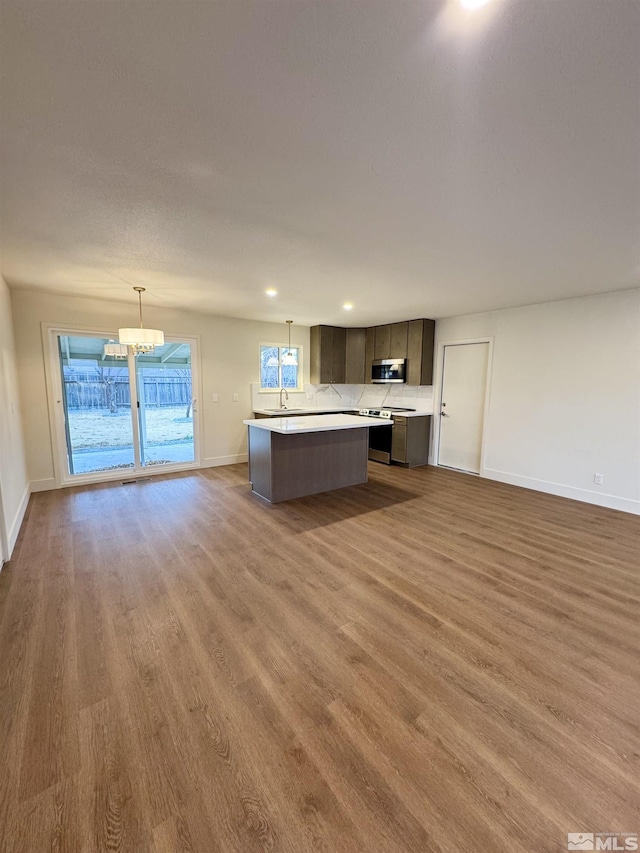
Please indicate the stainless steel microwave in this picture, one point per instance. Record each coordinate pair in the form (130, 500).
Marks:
(389, 370)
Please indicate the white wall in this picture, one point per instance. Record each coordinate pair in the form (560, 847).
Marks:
(564, 396)
(14, 486)
(229, 362)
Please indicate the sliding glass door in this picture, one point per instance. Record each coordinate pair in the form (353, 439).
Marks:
(120, 412)
(96, 400)
(165, 405)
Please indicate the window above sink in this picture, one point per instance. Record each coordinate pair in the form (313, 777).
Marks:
(280, 367)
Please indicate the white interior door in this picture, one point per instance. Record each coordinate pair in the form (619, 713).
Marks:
(464, 387)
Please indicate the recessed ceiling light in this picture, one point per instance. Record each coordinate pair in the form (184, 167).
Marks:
(271, 292)
(347, 306)
(473, 4)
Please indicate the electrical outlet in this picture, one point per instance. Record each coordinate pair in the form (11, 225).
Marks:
(235, 398)
(598, 479)
(215, 398)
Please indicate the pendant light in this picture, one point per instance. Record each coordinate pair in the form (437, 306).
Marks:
(115, 350)
(141, 340)
(289, 356)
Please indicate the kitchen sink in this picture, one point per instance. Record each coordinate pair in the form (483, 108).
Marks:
(283, 410)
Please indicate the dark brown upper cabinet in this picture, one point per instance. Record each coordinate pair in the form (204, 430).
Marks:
(355, 361)
(338, 355)
(345, 355)
(398, 342)
(420, 352)
(382, 342)
(391, 341)
(369, 352)
(328, 353)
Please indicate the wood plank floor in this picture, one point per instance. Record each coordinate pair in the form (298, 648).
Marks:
(428, 662)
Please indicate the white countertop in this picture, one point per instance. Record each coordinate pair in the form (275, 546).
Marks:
(317, 423)
(300, 410)
(400, 414)
(317, 410)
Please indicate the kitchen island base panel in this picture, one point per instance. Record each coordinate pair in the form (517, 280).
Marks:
(283, 467)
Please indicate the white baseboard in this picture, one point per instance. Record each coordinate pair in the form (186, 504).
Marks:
(208, 462)
(16, 524)
(215, 461)
(585, 495)
(43, 485)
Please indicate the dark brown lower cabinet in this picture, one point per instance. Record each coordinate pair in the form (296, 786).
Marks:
(285, 466)
(410, 440)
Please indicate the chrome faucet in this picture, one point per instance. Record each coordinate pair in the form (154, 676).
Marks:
(286, 396)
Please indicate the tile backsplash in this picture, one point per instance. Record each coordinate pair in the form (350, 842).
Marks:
(419, 397)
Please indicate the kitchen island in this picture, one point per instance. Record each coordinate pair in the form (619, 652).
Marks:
(297, 456)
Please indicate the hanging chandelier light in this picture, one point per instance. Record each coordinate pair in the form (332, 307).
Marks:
(289, 356)
(141, 340)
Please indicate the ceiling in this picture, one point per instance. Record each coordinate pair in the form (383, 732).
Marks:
(414, 158)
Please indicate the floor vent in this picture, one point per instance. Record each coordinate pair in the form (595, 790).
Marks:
(139, 480)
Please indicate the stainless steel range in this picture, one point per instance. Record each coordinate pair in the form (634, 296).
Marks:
(375, 413)
(383, 411)
(380, 438)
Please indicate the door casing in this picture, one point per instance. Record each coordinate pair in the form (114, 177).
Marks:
(437, 398)
(4, 539)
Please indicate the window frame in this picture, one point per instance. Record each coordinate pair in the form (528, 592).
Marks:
(281, 346)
